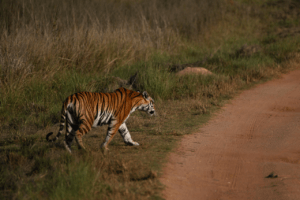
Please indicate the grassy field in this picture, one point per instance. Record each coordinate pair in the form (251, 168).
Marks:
(49, 50)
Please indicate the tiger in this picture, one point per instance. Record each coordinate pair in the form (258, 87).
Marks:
(84, 110)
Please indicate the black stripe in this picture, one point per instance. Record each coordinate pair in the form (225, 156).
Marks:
(121, 93)
(135, 104)
(97, 112)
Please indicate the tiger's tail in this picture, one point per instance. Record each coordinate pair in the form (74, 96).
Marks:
(61, 127)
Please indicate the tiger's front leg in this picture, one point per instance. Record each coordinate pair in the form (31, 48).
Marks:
(126, 135)
(111, 131)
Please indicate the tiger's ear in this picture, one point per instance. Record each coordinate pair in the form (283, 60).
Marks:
(145, 95)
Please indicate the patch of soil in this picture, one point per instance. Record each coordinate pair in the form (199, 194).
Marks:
(249, 150)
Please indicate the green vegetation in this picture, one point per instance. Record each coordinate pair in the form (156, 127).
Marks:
(51, 49)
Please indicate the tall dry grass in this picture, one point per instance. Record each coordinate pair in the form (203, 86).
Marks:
(94, 35)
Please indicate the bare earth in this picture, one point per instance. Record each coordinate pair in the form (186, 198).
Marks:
(256, 134)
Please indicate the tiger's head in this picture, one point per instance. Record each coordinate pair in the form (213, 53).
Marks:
(147, 104)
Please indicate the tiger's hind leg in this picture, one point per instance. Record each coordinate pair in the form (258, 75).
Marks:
(126, 135)
(82, 130)
(74, 131)
(70, 133)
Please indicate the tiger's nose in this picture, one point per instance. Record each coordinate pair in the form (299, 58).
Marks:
(151, 112)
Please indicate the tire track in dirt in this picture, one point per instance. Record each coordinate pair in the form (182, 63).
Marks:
(256, 134)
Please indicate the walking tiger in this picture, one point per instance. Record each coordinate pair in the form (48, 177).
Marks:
(84, 110)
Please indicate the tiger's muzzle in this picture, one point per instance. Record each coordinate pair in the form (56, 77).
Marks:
(152, 112)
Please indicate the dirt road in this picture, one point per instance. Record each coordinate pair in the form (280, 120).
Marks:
(256, 134)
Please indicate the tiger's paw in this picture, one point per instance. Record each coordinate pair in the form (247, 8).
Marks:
(67, 147)
(104, 151)
(132, 143)
(135, 144)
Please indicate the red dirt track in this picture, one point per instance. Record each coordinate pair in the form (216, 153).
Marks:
(257, 133)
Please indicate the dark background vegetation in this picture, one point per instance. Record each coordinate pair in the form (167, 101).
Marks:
(51, 49)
